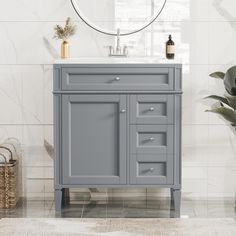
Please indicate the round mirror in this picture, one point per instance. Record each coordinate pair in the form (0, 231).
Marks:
(107, 16)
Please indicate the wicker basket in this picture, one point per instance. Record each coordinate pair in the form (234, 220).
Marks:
(8, 183)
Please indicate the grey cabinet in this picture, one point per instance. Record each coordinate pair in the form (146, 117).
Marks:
(117, 125)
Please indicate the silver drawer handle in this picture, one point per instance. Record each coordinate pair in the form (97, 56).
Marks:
(117, 79)
(151, 169)
(151, 139)
(123, 111)
(151, 109)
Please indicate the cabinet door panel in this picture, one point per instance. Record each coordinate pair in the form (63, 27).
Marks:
(94, 139)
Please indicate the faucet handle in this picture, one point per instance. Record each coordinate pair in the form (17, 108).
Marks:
(125, 50)
(111, 49)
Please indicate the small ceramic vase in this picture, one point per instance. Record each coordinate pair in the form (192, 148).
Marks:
(65, 49)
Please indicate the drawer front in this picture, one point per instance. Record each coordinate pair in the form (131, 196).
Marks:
(151, 169)
(152, 109)
(151, 139)
(117, 79)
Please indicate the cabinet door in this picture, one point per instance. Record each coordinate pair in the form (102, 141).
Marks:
(94, 139)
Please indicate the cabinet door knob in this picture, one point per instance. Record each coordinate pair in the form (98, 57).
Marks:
(117, 79)
(151, 139)
(123, 111)
(151, 169)
(151, 109)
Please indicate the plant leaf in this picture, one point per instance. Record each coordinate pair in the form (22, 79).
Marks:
(230, 81)
(218, 75)
(227, 113)
(219, 98)
(232, 101)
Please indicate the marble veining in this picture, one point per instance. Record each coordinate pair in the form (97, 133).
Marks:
(224, 13)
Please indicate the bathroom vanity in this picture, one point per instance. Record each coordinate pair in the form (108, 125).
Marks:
(117, 124)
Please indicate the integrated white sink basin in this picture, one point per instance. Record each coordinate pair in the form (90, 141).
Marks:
(115, 60)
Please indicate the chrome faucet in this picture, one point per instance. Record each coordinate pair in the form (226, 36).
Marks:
(118, 51)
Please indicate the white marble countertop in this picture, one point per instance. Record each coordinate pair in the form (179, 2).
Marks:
(115, 60)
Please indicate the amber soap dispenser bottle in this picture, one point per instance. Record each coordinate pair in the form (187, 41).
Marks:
(170, 48)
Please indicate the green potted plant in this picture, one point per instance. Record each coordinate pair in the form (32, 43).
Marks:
(64, 33)
(227, 103)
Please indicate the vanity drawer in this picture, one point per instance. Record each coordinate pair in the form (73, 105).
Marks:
(152, 109)
(151, 169)
(117, 78)
(151, 139)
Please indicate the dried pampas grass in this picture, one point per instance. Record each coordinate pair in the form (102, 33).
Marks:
(65, 32)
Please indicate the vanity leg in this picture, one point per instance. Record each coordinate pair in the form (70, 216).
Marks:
(171, 199)
(58, 199)
(176, 199)
(65, 196)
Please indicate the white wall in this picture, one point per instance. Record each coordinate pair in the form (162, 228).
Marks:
(204, 32)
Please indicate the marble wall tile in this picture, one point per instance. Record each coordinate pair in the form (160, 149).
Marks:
(48, 134)
(220, 135)
(47, 95)
(195, 35)
(33, 135)
(37, 10)
(195, 188)
(35, 186)
(20, 39)
(36, 156)
(34, 173)
(195, 181)
(175, 10)
(48, 172)
(32, 87)
(7, 131)
(195, 156)
(222, 10)
(209, 156)
(194, 173)
(11, 95)
(185, 10)
(195, 135)
(195, 86)
(221, 43)
(221, 180)
(49, 186)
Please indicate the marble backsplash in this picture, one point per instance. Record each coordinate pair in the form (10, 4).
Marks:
(204, 32)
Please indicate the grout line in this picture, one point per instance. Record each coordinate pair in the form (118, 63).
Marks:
(83, 208)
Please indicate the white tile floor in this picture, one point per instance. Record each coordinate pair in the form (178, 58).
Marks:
(123, 209)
